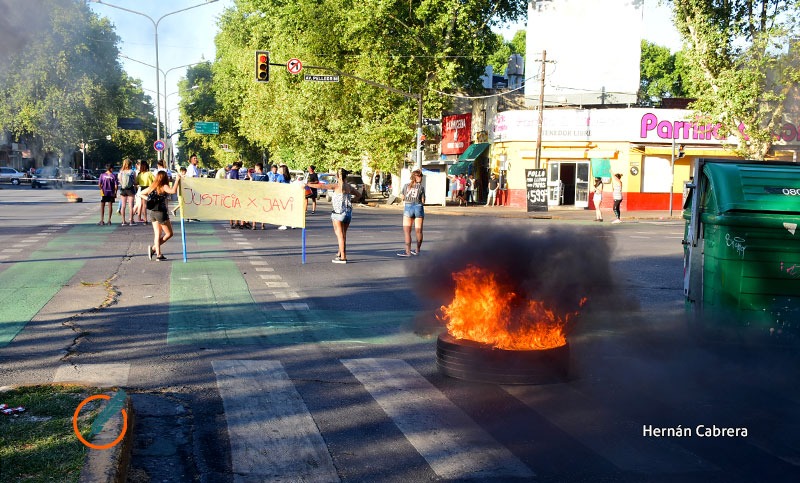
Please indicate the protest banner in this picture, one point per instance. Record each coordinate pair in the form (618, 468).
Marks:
(228, 199)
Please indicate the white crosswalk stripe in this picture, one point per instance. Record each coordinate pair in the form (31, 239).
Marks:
(453, 445)
(272, 434)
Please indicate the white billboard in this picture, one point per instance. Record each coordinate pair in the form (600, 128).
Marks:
(593, 51)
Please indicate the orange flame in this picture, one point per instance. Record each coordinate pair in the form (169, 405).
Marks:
(486, 311)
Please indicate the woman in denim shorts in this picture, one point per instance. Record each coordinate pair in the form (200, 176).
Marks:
(414, 198)
(342, 210)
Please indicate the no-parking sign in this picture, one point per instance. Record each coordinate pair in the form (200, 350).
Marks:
(158, 145)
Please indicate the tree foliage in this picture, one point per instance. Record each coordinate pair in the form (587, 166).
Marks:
(661, 74)
(746, 61)
(63, 83)
(416, 47)
(499, 59)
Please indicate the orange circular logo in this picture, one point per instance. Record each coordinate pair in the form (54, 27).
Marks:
(80, 436)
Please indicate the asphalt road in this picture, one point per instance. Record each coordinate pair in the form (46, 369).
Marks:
(246, 365)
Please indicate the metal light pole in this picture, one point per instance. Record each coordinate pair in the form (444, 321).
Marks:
(155, 29)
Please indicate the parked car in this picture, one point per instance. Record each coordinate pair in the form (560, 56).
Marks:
(11, 175)
(356, 182)
(325, 178)
(47, 177)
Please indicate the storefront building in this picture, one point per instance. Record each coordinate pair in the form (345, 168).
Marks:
(581, 144)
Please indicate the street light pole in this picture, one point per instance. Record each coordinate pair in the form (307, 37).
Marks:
(155, 28)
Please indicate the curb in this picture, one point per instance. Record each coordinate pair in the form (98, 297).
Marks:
(111, 465)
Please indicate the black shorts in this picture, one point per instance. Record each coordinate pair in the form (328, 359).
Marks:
(127, 192)
(160, 217)
(108, 199)
(313, 194)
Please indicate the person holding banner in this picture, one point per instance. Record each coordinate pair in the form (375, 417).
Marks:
(156, 195)
(342, 210)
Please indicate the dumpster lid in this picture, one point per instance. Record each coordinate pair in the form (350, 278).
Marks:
(755, 186)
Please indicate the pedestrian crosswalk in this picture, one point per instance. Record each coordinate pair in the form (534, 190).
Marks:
(279, 430)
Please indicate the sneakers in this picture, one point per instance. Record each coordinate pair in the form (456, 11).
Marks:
(403, 254)
(161, 258)
(150, 252)
(339, 260)
(617, 221)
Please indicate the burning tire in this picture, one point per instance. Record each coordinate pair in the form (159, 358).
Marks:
(478, 362)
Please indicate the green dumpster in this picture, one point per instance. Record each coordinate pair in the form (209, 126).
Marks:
(742, 244)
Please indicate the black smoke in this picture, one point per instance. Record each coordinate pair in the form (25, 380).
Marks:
(557, 265)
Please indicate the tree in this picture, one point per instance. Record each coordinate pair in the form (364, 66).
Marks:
(56, 88)
(660, 73)
(416, 47)
(746, 65)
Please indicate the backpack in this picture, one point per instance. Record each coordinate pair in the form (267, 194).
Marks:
(126, 180)
(154, 200)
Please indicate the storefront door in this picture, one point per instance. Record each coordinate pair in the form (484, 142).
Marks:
(555, 188)
(582, 185)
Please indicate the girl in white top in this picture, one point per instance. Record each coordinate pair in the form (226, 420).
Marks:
(598, 199)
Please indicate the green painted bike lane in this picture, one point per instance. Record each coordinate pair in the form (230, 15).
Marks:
(211, 304)
(28, 285)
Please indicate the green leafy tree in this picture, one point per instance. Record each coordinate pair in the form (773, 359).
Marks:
(661, 74)
(499, 59)
(63, 83)
(415, 47)
(745, 64)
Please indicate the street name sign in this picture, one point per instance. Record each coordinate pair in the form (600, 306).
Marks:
(206, 127)
(322, 78)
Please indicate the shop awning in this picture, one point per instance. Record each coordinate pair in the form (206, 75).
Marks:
(461, 167)
(474, 152)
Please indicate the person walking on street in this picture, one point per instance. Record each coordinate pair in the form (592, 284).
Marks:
(597, 199)
(158, 193)
(616, 185)
(284, 177)
(491, 197)
(342, 210)
(413, 212)
(312, 178)
(108, 191)
(192, 171)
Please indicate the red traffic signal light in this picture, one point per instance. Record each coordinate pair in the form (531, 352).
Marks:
(262, 66)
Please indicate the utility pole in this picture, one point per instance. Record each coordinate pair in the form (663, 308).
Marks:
(541, 113)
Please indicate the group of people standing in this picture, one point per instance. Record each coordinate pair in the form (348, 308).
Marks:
(463, 189)
(616, 193)
(140, 191)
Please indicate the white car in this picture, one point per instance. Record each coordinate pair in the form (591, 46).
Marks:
(11, 175)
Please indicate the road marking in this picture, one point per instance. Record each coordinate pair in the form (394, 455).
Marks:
(257, 262)
(271, 277)
(271, 432)
(634, 236)
(454, 446)
(286, 295)
(102, 375)
(616, 438)
(265, 269)
(12, 250)
(277, 284)
(294, 306)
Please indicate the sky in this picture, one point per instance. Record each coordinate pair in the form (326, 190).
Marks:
(188, 37)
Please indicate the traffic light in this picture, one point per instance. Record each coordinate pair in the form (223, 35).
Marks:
(262, 66)
(422, 142)
(681, 151)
